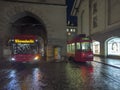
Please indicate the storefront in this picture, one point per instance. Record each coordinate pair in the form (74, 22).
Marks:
(96, 47)
(113, 46)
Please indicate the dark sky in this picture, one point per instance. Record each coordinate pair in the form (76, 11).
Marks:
(72, 19)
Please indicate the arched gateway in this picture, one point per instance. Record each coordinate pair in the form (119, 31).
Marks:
(47, 20)
(28, 23)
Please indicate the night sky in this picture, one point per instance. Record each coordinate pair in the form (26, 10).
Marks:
(72, 19)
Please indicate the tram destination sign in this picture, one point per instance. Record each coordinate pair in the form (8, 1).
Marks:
(24, 41)
(85, 38)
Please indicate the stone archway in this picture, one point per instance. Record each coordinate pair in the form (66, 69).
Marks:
(28, 23)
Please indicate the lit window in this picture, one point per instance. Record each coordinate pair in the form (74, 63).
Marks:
(114, 46)
(71, 30)
(78, 45)
(67, 30)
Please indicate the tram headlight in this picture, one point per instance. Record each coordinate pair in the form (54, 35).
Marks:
(13, 59)
(36, 57)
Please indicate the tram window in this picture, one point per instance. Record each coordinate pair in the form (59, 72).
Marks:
(73, 47)
(86, 46)
(68, 48)
(25, 49)
(78, 45)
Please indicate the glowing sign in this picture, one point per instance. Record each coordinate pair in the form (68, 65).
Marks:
(24, 41)
(85, 39)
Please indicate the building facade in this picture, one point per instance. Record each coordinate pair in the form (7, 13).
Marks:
(100, 19)
(45, 18)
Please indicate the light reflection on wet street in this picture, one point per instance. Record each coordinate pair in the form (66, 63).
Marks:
(60, 76)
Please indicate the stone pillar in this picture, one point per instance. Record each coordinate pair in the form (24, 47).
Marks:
(102, 49)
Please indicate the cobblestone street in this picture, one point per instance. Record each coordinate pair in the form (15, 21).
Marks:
(60, 76)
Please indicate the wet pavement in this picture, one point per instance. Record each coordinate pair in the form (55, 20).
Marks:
(109, 61)
(64, 75)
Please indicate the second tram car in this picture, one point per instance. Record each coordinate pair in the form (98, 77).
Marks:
(25, 48)
(80, 48)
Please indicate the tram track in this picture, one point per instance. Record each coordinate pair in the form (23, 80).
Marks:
(108, 74)
(110, 78)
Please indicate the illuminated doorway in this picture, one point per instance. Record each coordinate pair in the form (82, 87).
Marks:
(96, 47)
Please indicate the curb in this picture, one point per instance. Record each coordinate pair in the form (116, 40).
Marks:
(107, 64)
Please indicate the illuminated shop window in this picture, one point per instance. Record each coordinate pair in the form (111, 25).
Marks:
(114, 47)
(96, 47)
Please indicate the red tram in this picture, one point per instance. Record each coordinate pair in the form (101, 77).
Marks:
(80, 48)
(25, 48)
